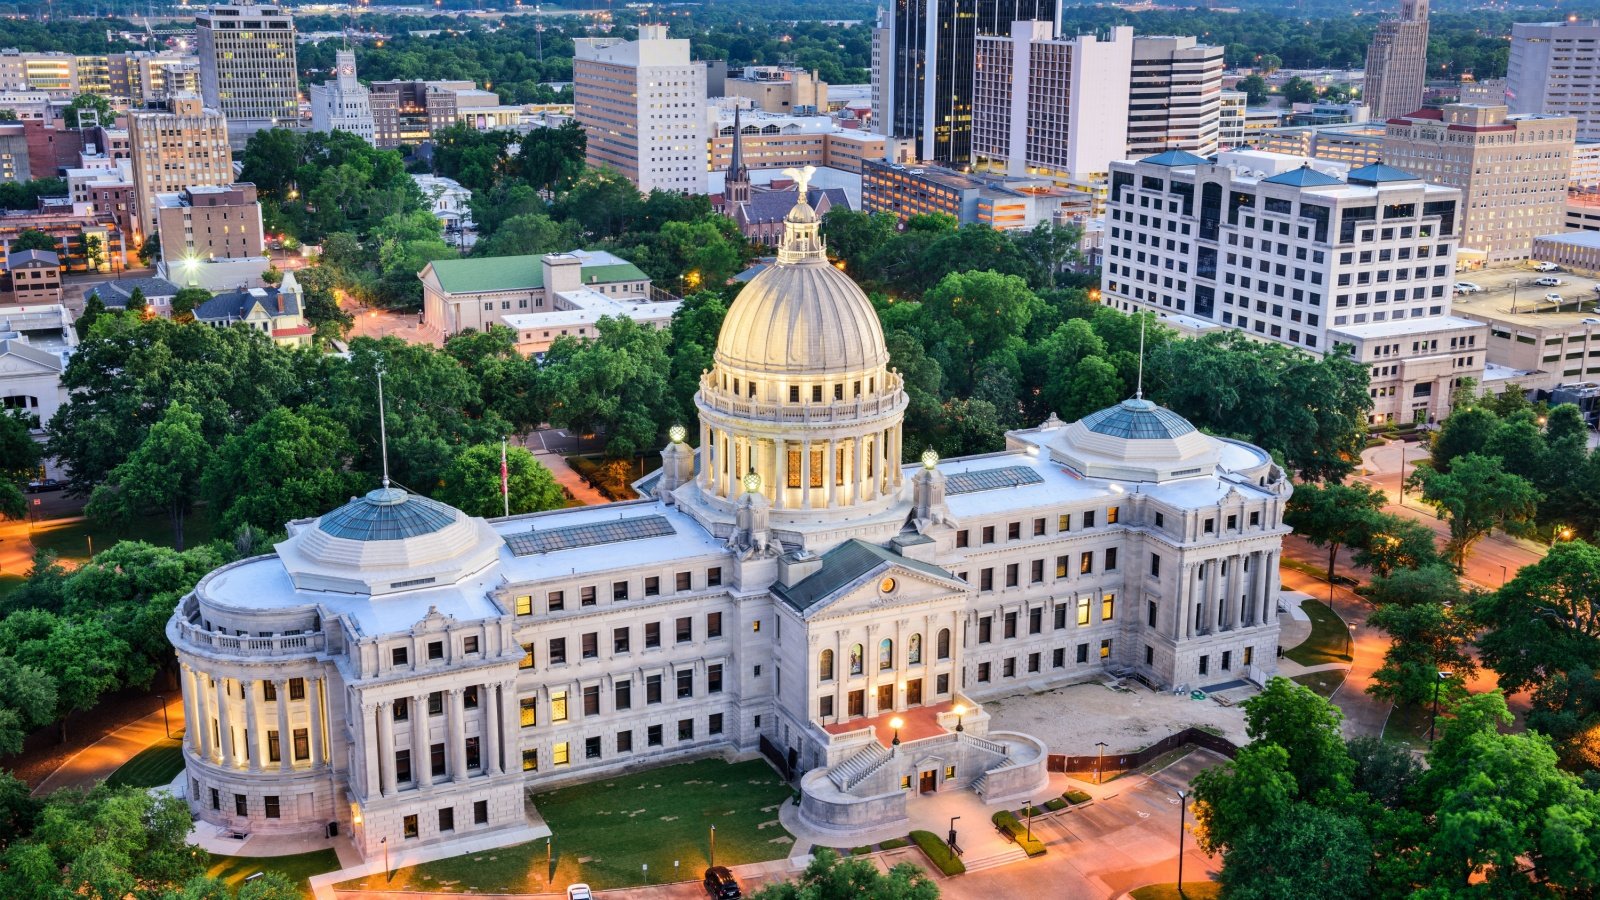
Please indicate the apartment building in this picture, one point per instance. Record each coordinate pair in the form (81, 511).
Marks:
(1397, 62)
(14, 162)
(1554, 70)
(343, 104)
(1292, 250)
(1511, 171)
(409, 112)
(213, 222)
(979, 198)
(1174, 96)
(185, 146)
(780, 89)
(1354, 143)
(31, 276)
(247, 66)
(780, 141)
(642, 105)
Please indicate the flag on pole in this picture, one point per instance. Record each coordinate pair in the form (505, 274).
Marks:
(505, 479)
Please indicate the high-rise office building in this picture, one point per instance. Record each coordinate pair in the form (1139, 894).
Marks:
(247, 65)
(1174, 96)
(642, 104)
(1511, 170)
(185, 146)
(1553, 71)
(923, 65)
(1397, 62)
(343, 104)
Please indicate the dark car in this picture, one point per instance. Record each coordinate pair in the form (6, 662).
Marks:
(720, 884)
(48, 484)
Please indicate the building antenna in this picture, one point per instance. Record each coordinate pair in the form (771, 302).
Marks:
(1138, 393)
(383, 428)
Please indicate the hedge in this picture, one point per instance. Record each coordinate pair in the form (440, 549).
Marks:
(1006, 821)
(894, 844)
(1075, 796)
(1056, 804)
(938, 853)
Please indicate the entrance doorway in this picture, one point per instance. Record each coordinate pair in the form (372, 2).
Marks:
(914, 692)
(927, 783)
(885, 698)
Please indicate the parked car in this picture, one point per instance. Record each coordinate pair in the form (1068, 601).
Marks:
(1546, 267)
(579, 891)
(1549, 281)
(1467, 287)
(720, 884)
(45, 485)
(1555, 298)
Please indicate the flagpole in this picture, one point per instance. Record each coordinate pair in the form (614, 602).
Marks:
(505, 481)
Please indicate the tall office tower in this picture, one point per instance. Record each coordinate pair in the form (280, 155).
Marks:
(1397, 62)
(1175, 96)
(1552, 70)
(924, 53)
(1048, 105)
(1511, 170)
(343, 104)
(247, 66)
(185, 146)
(642, 104)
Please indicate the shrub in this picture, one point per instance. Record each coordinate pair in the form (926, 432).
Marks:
(860, 851)
(1075, 796)
(894, 844)
(938, 853)
(1007, 821)
(1056, 804)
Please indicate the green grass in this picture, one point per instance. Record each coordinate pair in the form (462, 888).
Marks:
(1329, 637)
(154, 766)
(1192, 890)
(1408, 725)
(70, 540)
(1007, 821)
(233, 870)
(604, 831)
(1323, 683)
(939, 853)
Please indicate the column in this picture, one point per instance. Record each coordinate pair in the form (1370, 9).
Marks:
(781, 473)
(421, 754)
(318, 752)
(456, 736)
(830, 473)
(194, 724)
(1269, 602)
(510, 726)
(385, 747)
(252, 725)
(894, 449)
(224, 726)
(805, 474)
(1213, 595)
(369, 748)
(490, 700)
(858, 480)
(1236, 576)
(707, 461)
(202, 706)
(1180, 617)
(285, 745)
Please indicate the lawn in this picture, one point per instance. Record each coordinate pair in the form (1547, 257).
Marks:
(1329, 638)
(1408, 725)
(233, 870)
(1192, 890)
(71, 540)
(155, 766)
(607, 830)
(1323, 683)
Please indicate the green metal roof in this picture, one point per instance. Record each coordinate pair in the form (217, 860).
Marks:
(846, 563)
(387, 514)
(518, 273)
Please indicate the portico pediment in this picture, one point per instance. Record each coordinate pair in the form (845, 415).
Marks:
(858, 577)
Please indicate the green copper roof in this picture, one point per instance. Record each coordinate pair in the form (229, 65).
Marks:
(387, 514)
(518, 273)
(846, 563)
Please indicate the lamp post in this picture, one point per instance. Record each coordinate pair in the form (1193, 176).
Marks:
(548, 859)
(960, 711)
(951, 838)
(1434, 719)
(1030, 821)
(1183, 810)
(165, 723)
(1402, 491)
(1100, 767)
(1350, 641)
(713, 845)
(386, 873)
(1502, 576)
(896, 723)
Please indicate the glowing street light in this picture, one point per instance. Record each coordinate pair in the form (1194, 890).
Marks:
(896, 723)
(960, 711)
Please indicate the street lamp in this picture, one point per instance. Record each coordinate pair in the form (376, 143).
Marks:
(165, 724)
(960, 711)
(1183, 811)
(1030, 821)
(386, 873)
(1433, 720)
(1502, 576)
(713, 854)
(1100, 767)
(896, 723)
(1350, 641)
(951, 839)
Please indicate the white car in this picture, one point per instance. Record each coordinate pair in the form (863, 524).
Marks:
(1546, 267)
(1467, 287)
(579, 891)
(1549, 281)
(1557, 299)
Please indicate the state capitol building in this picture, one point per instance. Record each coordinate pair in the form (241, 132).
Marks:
(403, 671)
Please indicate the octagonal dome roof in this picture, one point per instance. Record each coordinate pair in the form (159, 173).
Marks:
(387, 514)
(1138, 441)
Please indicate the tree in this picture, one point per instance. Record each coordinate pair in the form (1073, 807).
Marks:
(529, 233)
(1385, 770)
(1307, 727)
(150, 248)
(1476, 496)
(853, 237)
(83, 657)
(33, 239)
(137, 303)
(601, 202)
(19, 460)
(1255, 89)
(271, 886)
(615, 384)
(696, 326)
(290, 464)
(88, 111)
(1465, 430)
(18, 809)
(828, 877)
(109, 843)
(186, 301)
(27, 703)
(472, 483)
(1230, 800)
(1052, 249)
(320, 304)
(93, 308)
(1299, 90)
(1307, 852)
(1334, 516)
(1396, 543)
(94, 252)
(551, 159)
(164, 473)
(1430, 636)
(975, 313)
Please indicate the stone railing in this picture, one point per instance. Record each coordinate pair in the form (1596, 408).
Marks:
(244, 645)
(885, 401)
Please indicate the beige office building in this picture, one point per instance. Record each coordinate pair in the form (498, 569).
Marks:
(1511, 170)
(780, 89)
(1174, 96)
(642, 105)
(185, 146)
(210, 223)
(247, 65)
(1397, 62)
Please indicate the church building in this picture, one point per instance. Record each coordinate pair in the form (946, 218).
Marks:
(789, 587)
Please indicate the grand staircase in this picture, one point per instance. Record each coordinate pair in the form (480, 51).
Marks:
(859, 767)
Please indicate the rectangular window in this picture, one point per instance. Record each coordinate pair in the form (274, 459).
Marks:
(527, 657)
(271, 801)
(524, 606)
(624, 742)
(1205, 664)
(1008, 668)
(685, 729)
(714, 723)
(714, 679)
(1011, 575)
(1083, 611)
(1105, 649)
(1061, 566)
(591, 748)
(297, 689)
(961, 538)
(239, 805)
(1036, 620)
(1061, 615)
(825, 707)
(1111, 559)
(530, 760)
(586, 596)
(942, 684)
(1155, 565)
(1014, 531)
(561, 754)
(713, 625)
(1151, 614)
(685, 683)
(474, 756)
(436, 703)
(480, 812)
(1036, 572)
(402, 765)
(714, 576)
(1083, 653)
(988, 534)
(685, 630)
(983, 672)
(436, 759)
(408, 826)
(1058, 657)
(986, 580)
(619, 590)
(985, 629)
(557, 601)
(622, 694)
(435, 650)
(652, 689)
(591, 699)
(1108, 605)
(273, 753)
(1227, 660)
(652, 736)
(216, 799)
(652, 635)
(1038, 527)
(558, 706)
(1088, 519)
(530, 712)
(469, 644)
(652, 586)
(558, 651)
(469, 697)
(1111, 516)
(591, 645)
(619, 640)
(1011, 625)
(682, 580)
(397, 656)
(1033, 662)
(302, 744)
(1086, 563)
(402, 710)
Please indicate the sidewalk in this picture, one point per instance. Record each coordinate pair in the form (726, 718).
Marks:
(581, 490)
(1364, 714)
(97, 761)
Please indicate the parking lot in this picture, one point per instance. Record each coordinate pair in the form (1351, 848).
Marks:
(1514, 290)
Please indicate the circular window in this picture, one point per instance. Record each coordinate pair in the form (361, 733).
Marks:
(886, 586)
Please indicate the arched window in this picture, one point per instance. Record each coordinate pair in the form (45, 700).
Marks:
(886, 654)
(825, 666)
(914, 650)
(944, 643)
(855, 659)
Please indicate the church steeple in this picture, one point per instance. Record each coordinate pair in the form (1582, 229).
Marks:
(736, 189)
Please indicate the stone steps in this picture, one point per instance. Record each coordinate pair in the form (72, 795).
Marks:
(1010, 855)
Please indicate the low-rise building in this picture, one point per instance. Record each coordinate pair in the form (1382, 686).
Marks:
(1413, 367)
(32, 277)
(343, 104)
(276, 311)
(1573, 249)
(998, 201)
(779, 89)
(479, 293)
(71, 225)
(156, 291)
(1558, 345)
(211, 222)
(1355, 143)
(35, 344)
(450, 203)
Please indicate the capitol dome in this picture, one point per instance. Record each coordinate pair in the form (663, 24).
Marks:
(801, 317)
(1138, 441)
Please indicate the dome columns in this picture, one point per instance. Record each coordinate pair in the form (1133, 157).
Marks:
(804, 471)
